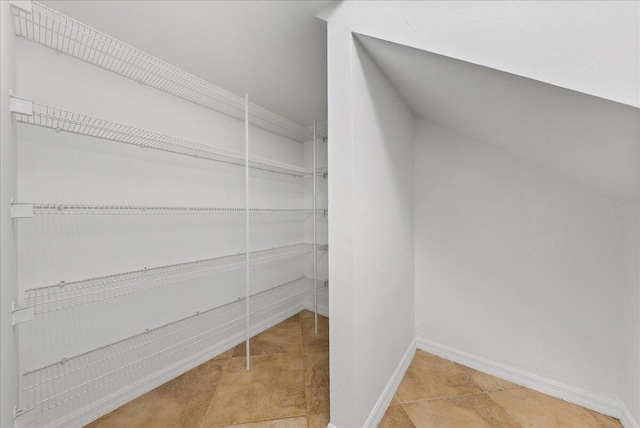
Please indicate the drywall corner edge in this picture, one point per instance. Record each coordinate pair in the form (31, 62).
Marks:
(325, 14)
(626, 419)
(380, 408)
(550, 387)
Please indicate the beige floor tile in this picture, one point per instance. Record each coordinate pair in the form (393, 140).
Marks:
(534, 409)
(471, 411)
(146, 411)
(272, 389)
(487, 382)
(431, 377)
(316, 369)
(605, 421)
(181, 402)
(318, 421)
(396, 417)
(282, 338)
(275, 423)
(311, 340)
(395, 400)
(225, 355)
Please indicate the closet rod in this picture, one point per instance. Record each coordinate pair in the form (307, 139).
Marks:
(36, 114)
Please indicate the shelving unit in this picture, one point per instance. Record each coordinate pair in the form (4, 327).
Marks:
(47, 387)
(50, 28)
(66, 295)
(92, 376)
(77, 123)
(26, 210)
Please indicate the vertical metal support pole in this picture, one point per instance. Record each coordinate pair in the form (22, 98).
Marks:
(246, 215)
(315, 243)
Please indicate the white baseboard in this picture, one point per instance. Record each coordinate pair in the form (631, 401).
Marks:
(568, 393)
(323, 302)
(323, 309)
(387, 394)
(132, 391)
(626, 418)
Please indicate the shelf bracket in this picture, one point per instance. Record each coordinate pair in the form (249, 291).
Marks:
(23, 417)
(25, 5)
(21, 210)
(20, 314)
(20, 105)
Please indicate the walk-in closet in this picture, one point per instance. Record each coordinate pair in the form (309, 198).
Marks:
(319, 214)
(160, 220)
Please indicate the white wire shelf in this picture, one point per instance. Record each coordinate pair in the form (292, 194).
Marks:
(64, 120)
(106, 369)
(66, 295)
(28, 210)
(64, 34)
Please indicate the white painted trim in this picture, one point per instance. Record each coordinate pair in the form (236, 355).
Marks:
(97, 409)
(565, 392)
(387, 394)
(626, 418)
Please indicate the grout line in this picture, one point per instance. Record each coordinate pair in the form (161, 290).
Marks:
(403, 409)
(445, 397)
(518, 421)
(262, 420)
(224, 372)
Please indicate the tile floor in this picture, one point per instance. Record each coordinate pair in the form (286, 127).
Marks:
(439, 393)
(288, 387)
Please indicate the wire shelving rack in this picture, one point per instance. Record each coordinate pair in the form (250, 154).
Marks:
(24, 209)
(60, 119)
(107, 369)
(64, 34)
(66, 295)
(108, 366)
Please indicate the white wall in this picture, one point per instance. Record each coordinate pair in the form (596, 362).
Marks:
(8, 186)
(631, 310)
(588, 46)
(383, 245)
(63, 167)
(517, 265)
(370, 229)
(342, 297)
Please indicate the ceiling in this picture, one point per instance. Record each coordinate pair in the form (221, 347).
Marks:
(582, 137)
(275, 51)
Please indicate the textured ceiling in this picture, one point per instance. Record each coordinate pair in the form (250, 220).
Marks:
(273, 50)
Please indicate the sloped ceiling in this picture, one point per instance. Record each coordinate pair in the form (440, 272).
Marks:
(273, 50)
(584, 138)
